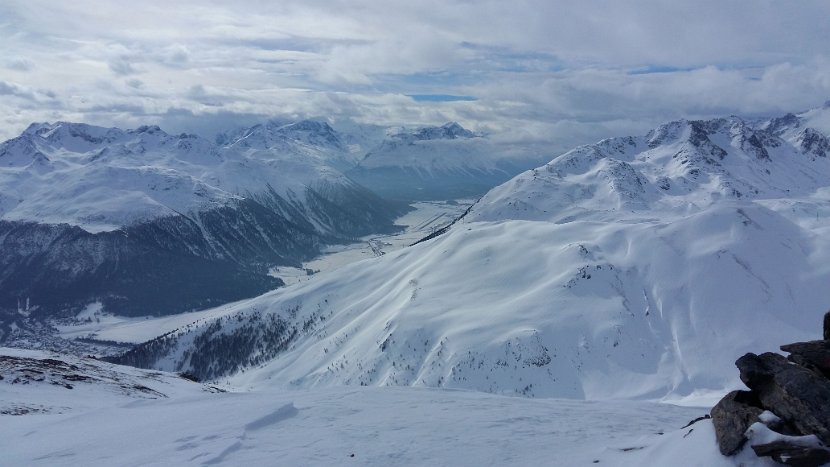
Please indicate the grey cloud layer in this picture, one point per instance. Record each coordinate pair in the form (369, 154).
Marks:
(540, 70)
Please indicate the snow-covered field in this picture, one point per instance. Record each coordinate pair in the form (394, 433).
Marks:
(366, 427)
(183, 424)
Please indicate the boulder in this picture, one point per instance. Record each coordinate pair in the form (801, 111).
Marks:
(827, 326)
(794, 393)
(792, 454)
(814, 355)
(731, 417)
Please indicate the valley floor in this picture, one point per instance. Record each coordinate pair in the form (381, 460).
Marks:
(425, 218)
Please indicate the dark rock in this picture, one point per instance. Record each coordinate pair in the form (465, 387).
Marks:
(796, 394)
(814, 355)
(698, 419)
(756, 371)
(731, 417)
(827, 326)
(189, 376)
(782, 427)
(792, 454)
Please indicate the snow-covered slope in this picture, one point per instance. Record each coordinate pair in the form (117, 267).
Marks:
(37, 383)
(56, 410)
(442, 162)
(679, 168)
(152, 223)
(635, 267)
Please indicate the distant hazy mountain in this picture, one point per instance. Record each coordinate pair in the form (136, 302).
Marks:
(152, 223)
(314, 140)
(439, 163)
(634, 267)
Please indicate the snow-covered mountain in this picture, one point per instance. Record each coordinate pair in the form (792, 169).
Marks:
(440, 162)
(313, 139)
(634, 267)
(152, 223)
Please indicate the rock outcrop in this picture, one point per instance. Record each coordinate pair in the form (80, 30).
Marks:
(732, 416)
(796, 390)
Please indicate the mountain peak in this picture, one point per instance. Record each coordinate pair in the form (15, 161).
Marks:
(277, 134)
(315, 126)
(450, 130)
(71, 135)
(149, 129)
(456, 129)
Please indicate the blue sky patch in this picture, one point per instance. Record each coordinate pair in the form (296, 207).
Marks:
(440, 98)
(652, 69)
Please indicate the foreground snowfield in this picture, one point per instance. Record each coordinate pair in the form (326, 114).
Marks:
(185, 424)
(390, 426)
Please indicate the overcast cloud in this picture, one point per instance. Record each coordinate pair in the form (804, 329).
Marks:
(537, 70)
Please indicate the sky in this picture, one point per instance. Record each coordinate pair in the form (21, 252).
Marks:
(554, 72)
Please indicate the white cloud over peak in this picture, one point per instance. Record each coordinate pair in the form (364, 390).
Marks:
(540, 70)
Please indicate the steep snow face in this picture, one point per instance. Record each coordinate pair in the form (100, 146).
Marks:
(439, 163)
(636, 267)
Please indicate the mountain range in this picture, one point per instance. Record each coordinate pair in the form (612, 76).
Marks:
(151, 223)
(636, 267)
(633, 268)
